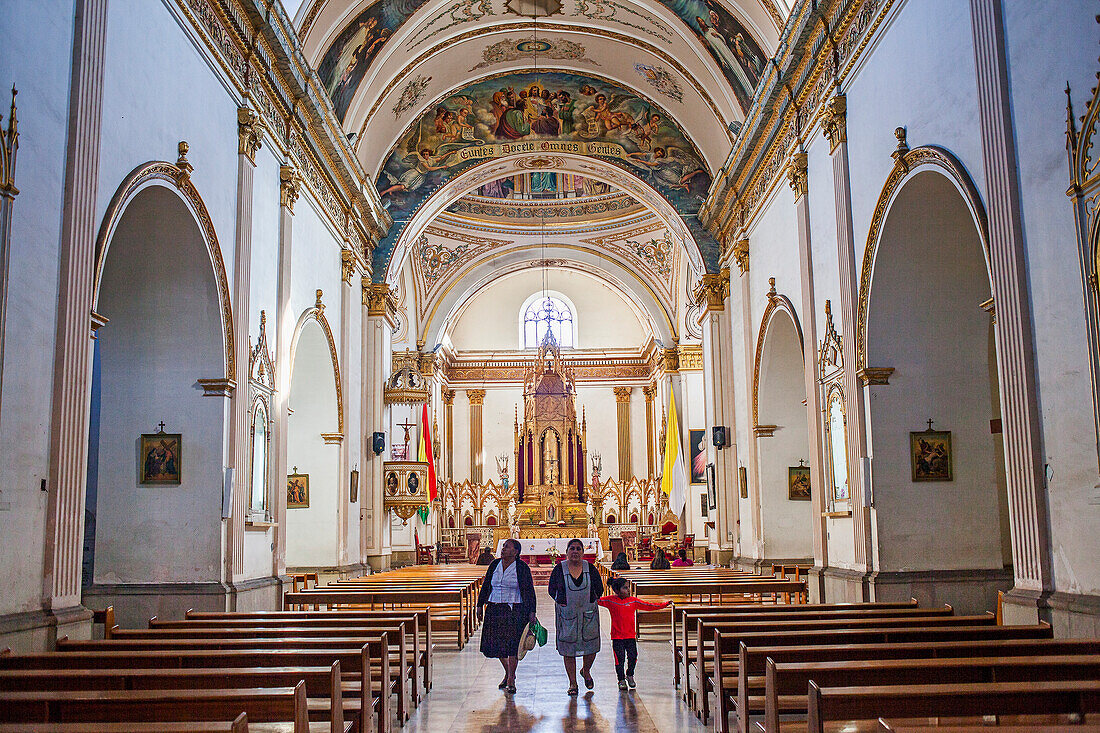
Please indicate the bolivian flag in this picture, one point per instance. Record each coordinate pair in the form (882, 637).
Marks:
(425, 455)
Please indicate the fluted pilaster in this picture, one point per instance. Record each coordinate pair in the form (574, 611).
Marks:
(622, 415)
(477, 400)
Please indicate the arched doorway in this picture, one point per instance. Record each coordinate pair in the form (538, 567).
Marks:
(154, 504)
(938, 506)
(313, 450)
(783, 440)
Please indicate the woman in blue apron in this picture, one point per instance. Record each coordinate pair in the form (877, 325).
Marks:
(575, 586)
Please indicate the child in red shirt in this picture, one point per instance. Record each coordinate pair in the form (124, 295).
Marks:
(624, 633)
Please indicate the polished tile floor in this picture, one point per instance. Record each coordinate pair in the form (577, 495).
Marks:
(464, 696)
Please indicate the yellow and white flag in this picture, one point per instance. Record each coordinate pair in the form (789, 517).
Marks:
(674, 478)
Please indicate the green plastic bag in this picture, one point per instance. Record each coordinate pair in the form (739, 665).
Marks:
(540, 633)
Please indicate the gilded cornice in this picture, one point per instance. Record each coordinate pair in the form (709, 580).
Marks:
(257, 49)
(691, 358)
(589, 369)
(789, 104)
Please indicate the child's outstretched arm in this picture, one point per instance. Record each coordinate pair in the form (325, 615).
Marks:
(647, 606)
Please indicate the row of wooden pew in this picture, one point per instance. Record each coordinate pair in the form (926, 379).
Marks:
(876, 666)
(315, 666)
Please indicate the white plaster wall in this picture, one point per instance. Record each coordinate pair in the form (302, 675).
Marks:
(498, 430)
(742, 385)
(603, 319)
(637, 434)
(42, 31)
(311, 533)
(461, 438)
(603, 428)
(164, 333)
(1044, 52)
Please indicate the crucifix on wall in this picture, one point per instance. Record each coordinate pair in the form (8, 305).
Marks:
(405, 447)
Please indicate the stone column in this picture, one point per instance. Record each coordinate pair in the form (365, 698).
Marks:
(477, 399)
(381, 310)
(448, 431)
(68, 459)
(797, 178)
(249, 138)
(858, 478)
(1028, 508)
(622, 415)
(649, 391)
(290, 184)
(718, 399)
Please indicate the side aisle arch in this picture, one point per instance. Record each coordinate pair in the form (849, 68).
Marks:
(316, 312)
(176, 178)
(907, 166)
(776, 303)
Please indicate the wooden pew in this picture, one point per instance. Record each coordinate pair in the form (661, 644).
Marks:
(365, 657)
(402, 658)
(334, 599)
(867, 704)
(421, 622)
(240, 725)
(728, 645)
(704, 663)
(785, 682)
(271, 704)
(728, 641)
(753, 660)
(901, 726)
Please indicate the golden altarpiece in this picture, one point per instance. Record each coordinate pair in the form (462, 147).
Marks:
(550, 450)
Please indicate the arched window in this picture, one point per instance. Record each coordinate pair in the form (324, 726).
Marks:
(547, 312)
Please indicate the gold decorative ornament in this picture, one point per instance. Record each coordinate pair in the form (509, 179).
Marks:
(741, 254)
(183, 166)
(249, 133)
(691, 358)
(875, 376)
(404, 487)
(622, 394)
(834, 121)
(796, 175)
(671, 360)
(765, 431)
(712, 290)
(475, 396)
(290, 186)
(379, 300)
(406, 384)
(348, 265)
(901, 150)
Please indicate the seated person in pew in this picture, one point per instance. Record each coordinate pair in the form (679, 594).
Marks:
(624, 632)
(682, 560)
(485, 558)
(621, 563)
(660, 560)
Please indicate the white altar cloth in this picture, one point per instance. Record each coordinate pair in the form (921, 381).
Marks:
(541, 546)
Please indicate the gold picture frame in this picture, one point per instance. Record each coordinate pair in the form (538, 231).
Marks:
(160, 459)
(798, 483)
(297, 491)
(930, 455)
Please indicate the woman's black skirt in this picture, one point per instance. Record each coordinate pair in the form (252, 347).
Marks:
(501, 630)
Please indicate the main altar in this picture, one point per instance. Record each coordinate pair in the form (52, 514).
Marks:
(550, 451)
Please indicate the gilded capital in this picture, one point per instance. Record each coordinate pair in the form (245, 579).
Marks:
(834, 122)
(796, 175)
(290, 186)
(650, 391)
(622, 394)
(711, 292)
(378, 299)
(671, 358)
(347, 265)
(249, 133)
(476, 396)
(741, 255)
(448, 397)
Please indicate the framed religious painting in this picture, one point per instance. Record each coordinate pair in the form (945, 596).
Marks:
(297, 490)
(712, 487)
(697, 439)
(743, 480)
(930, 455)
(160, 459)
(798, 483)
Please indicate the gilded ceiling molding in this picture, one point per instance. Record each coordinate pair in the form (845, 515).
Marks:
(317, 313)
(267, 70)
(524, 26)
(774, 125)
(249, 133)
(311, 16)
(905, 166)
(776, 303)
(176, 178)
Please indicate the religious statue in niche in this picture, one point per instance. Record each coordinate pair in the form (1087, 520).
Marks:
(297, 490)
(930, 454)
(159, 458)
(550, 457)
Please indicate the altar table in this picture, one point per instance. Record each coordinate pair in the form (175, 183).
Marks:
(539, 548)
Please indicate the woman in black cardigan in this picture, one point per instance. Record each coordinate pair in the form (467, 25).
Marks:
(508, 595)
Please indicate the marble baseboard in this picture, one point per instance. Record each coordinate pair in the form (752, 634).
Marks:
(136, 603)
(38, 631)
(968, 591)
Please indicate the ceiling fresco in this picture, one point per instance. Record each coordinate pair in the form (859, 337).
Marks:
(344, 64)
(553, 111)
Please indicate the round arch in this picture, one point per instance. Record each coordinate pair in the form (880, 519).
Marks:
(317, 313)
(776, 304)
(916, 161)
(175, 178)
(479, 174)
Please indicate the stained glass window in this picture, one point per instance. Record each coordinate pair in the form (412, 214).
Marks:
(547, 313)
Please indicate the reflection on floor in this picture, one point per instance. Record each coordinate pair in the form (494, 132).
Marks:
(465, 698)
